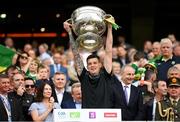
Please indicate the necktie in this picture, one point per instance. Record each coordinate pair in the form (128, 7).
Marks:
(126, 93)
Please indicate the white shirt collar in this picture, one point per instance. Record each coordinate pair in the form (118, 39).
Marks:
(123, 84)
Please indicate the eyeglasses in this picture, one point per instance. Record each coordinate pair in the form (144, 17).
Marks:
(31, 86)
(24, 57)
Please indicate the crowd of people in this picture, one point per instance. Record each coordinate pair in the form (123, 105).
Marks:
(144, 84)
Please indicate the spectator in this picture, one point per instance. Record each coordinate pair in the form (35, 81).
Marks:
(43, 50)
(77, 97)
(60, 94)
(9, 43)
(147, 48)
(128, 97)
(169, 109)
(173, 72)
(57, 66)
(176, 49)
(33, 69)
(23, 62)
(30, 86)
(10, 109)
(27, 47)
(167, 59)
(160, 89)
(41, 108)
(21, 95)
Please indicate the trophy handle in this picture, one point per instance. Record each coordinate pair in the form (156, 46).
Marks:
(69, 21)
(106, 16)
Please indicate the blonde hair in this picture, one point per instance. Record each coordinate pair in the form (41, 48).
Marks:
(45, 46)
(166, 41)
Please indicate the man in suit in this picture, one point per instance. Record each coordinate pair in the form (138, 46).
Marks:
(169, 109)
(57, 67)
(160, 89)
(77, 97)
(128, 97)
(59, 92)
(10, 109)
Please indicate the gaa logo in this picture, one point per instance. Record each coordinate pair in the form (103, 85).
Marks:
(62, 115)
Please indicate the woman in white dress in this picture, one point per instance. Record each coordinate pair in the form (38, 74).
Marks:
(41, 109)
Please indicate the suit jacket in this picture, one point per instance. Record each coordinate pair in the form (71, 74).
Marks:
(61, 69)
(66, 98)
(16, 110)
(25, 101)
(68, 104)
(149, 109)
(135, 109)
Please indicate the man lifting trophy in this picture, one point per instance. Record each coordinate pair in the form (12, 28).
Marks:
(89, 23)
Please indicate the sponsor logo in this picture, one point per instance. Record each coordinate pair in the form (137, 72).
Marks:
(110, 115)
(62, 115)
(92, 115)
(74, 114)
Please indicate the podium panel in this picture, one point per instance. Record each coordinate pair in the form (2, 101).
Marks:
(87, 115)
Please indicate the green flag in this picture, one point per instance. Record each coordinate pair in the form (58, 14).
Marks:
(6, 56)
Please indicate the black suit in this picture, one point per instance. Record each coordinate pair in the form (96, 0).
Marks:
(149, 109)
(69, 104)
(66, 98)
(16, 110)
(134, 110)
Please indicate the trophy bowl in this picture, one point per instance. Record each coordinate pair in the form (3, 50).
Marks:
(88, 25)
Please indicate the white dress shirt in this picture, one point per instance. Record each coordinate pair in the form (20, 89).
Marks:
(154, 109)
(59, 96)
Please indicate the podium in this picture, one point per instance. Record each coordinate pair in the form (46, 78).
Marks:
(87, 115)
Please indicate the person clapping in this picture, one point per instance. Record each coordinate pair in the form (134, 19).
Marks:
(41, 109)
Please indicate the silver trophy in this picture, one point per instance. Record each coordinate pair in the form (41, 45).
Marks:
(88, 24)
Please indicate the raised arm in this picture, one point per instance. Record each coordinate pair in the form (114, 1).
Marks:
(108, 49)
(77, 58)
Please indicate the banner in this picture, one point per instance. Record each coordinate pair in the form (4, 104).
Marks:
(87, 115)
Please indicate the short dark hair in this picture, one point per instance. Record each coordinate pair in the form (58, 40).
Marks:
(138, 55)
(29, 78)
(3, 76)
(11, 67)
(92, 56)
(148, 74)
